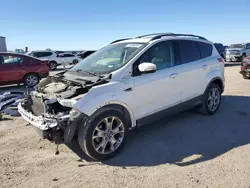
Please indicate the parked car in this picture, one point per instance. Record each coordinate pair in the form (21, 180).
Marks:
(245, 68)
(68, 58)
(123, 86)
(221, 49)
(18, 68)
(51, 56)
(237, 52)
(85, 54)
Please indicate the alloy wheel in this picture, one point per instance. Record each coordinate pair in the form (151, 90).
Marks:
(213, 99)
(31, 80)
(108, 135)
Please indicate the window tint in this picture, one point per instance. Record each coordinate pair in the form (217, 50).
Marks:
(44, 54)
(188, 51)
(10, 60)
(205, 49)
(248, 46)
(161, 54)
(68, 55)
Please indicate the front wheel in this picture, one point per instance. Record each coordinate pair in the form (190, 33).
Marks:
(104, 134)
(212, 100)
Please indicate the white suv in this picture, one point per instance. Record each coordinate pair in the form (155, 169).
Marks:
(53, 57)
(124, 85)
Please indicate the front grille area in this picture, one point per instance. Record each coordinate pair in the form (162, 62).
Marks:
(232, 52)
(37, 106)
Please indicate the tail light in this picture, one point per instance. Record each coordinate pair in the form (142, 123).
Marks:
(221, 60)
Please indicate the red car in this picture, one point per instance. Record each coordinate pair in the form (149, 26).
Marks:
(19, 68)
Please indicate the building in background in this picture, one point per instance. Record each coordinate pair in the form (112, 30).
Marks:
(3, 47)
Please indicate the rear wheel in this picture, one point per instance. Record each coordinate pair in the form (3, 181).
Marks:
(52, 65)
(212, 100)
(31, 80)
(75, 61)
(104, 134)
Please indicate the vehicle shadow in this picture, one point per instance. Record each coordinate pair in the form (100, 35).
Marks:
(187, 138)
(232, 64)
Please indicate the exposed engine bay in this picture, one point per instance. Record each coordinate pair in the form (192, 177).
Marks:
(50, 103)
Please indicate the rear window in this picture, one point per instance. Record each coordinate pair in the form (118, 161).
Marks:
(205, 49)
(188, 51)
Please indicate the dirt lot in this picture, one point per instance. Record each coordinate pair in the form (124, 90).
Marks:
(188, 150)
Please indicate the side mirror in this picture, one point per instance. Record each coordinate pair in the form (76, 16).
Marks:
(147, 68)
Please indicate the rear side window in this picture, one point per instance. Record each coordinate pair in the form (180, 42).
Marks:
(189, 51)
(44, 54)
(205, 49)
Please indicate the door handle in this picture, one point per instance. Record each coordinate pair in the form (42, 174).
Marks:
(128, 89)
(174, 75)
(204, 66)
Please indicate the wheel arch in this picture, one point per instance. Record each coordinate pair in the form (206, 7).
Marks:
(31, 73)
(218, 81)
(123, 108)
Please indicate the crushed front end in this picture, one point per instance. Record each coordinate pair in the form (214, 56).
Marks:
(49, 108)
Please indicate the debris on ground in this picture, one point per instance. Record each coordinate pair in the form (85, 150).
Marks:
(9, 101)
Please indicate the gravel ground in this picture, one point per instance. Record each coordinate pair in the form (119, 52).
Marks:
(187, 150)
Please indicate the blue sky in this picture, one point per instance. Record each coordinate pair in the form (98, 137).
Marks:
(91, 24)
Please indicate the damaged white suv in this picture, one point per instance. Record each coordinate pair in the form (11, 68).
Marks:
(126, 84)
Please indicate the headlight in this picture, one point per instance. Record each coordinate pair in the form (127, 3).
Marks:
(67, 102)
(74, 113)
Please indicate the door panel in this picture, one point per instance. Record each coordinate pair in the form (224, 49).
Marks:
(11, 70)
(156, 91)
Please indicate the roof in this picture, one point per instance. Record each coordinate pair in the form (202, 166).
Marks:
(156, 36)
(2, 37)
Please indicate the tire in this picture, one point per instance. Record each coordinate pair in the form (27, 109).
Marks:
(205, 107)
(75, 61)
(53, 65)
(91, 128)
(31, 79)
(245, 76)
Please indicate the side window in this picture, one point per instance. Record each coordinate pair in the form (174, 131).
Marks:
(69, 55)
(161, 54)
(189, 51)
(205, 49)
(10, 60)
(248, 46)
(44, 54)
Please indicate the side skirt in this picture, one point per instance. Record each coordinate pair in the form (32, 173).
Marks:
(170, 111)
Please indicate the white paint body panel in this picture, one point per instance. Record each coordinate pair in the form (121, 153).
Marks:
(153, 92)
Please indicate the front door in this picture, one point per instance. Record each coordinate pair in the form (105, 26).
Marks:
(155, 92)
(11, 70)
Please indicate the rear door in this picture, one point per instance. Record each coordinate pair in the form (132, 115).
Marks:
(194, 66)
(11, 69)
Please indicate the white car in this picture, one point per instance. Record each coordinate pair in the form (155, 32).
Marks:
(68, 58)
(125, 85)
(53, 57)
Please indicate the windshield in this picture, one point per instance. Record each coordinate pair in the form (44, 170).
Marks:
(109, 58)
(236, 46)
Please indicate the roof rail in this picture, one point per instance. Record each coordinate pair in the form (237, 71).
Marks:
(119, 40)
(157, 34)
(176, 35)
